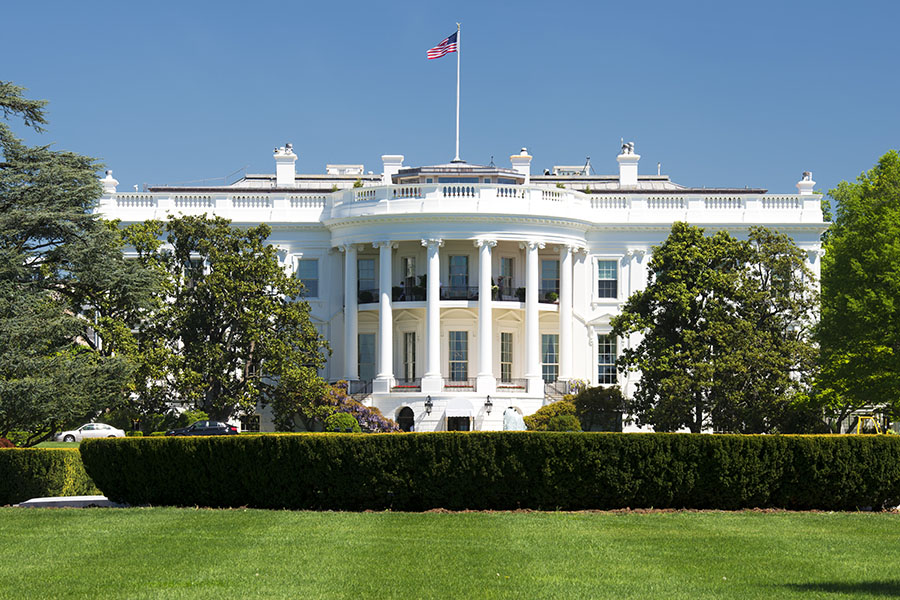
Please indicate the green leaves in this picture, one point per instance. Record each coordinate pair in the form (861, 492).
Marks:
(721, 332)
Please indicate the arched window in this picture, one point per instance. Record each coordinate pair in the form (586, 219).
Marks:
(405, 418)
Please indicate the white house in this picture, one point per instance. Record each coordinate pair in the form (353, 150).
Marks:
(450, 293)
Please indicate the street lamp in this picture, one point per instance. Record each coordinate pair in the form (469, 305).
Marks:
(488, 405)
(428, 405)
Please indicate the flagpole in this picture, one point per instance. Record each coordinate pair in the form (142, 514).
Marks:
(457, 159)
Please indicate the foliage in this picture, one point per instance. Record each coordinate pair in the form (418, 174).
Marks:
(563, 423)
(541, 418)
(315, 410)
(600, 408)
(5, 443)
(38, 473)
(860, 324)
(235, 332)
(342, 423)
(64, 286)
(500, 471)
(722, 332)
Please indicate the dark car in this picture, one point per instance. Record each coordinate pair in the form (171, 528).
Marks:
(205, 428)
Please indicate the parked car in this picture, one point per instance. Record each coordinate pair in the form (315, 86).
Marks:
(205, 428)
(89, 430)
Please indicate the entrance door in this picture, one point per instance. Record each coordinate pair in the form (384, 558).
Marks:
(406, 419)
(459, 423)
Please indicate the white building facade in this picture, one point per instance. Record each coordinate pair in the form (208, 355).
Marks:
(452, 293)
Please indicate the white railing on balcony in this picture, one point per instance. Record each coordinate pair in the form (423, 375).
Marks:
(528, 201)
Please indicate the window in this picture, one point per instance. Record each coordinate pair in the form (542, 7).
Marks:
(367, 356)
(505, 280)
(459, 271)
(457, 180)
(606, 359)
(368, 291)
(250, 423)
(408, 270)
(549, 278)
(607, 279)
(506, 356)
(459, 356)
(550, 357)
(308, 274)
(409, 355)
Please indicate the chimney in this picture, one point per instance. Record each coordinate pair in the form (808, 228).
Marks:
(806, 184)
(109, 184)
(628, 166)
(392, 165)
(521, 162)
(284, 165)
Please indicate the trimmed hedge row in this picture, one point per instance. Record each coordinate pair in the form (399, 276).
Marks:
(27, 473)
(500, 470)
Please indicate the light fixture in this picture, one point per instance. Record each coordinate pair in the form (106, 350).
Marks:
(428, 405)
(488, 405)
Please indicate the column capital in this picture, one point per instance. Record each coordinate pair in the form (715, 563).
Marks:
(638, 253)
(386, 244)
(345, 247)
(432, 242)
(489, 243)
(531, 245)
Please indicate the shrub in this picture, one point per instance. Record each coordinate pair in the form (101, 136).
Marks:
(539, 420)
(600, 408)
(157, 433)
(342, 422)
(134, 434)
(5, 443)
(189, 417)
(563, 423)
(500, 471)
(38, 472)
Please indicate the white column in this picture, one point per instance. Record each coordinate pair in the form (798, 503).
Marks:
(384, 379)
(487, 384)
(432, 381)
(532, 327)
(351, 339)
(565, 312)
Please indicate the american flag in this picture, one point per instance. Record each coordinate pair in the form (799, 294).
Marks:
(445, 47)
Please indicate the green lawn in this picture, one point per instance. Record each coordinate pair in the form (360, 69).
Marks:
(58, 445)
(191, 553)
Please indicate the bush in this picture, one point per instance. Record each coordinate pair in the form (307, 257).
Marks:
(541, 419)
(134, 434)
(500, 471)
(600, 408)
(39, 472)
(157, 433)
(5, 443)
(563, 423)
(342, 423)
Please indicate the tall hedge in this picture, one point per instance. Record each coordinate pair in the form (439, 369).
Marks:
(500, 470)
(27, 473)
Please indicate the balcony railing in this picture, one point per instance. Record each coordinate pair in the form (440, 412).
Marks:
(512, 386)
(459, 385)
(548, 295)
(366, 296)
(413, 293)
(555, 389)
(359, 388)
(407, 385)
(459, 292)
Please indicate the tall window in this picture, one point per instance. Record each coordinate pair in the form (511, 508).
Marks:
(606, 359)
(549, 277)
(459, 356)
(367, 356)
(459, 271)
(607, 279)
(308, 273)
(409, 355)
(368, 291)
(506, 356)
(408, 271)
(550, 357)
(505, 280)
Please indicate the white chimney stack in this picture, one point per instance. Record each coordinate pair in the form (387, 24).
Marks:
(521, 162)
(392, 165)
(628, 166)
(806, 184)
(284, 166)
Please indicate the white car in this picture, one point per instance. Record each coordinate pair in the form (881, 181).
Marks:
(90, 430)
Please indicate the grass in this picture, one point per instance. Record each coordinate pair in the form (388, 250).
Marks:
(57, 445)
(199, 553)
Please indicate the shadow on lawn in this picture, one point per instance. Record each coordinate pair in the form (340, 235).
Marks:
(870, 588)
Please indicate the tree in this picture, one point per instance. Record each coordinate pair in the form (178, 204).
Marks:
(314, 411)
(859, 331)
(600, 408)
(540, 420)
(234, 331)
(63, 285)
(720, 333)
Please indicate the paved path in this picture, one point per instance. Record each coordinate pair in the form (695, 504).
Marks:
(70, 502)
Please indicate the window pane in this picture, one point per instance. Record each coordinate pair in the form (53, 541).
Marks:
(607, 279)
(550, 276)
(308, 273)
(459, 355)
(367, 356)
(550, 356)
(606, 359)
(459, 271)
(506, 357)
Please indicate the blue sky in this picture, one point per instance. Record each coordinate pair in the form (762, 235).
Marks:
(721, 93)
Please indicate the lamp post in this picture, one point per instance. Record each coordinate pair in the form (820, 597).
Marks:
(488, 405)
(428, 405)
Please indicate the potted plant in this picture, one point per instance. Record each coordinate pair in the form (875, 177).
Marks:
(520, 294)
(552, 297)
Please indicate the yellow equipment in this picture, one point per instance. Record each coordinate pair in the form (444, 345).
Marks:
(873, 420)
